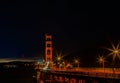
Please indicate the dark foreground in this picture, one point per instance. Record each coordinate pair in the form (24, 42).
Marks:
(19, 74)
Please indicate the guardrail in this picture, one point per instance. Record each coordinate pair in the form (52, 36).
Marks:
(98, 72)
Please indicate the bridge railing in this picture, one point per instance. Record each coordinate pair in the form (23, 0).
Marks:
(94, 72)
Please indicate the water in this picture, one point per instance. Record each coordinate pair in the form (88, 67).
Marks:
(17, 75)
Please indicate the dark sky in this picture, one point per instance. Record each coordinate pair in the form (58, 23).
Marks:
(24, 24)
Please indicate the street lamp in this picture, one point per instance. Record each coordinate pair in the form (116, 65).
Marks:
(63, 64)
(77, 62)
(115, 52)
(101, 60)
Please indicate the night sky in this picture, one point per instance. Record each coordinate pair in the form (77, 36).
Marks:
(23, 26)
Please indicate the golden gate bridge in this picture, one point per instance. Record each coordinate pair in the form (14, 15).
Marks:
(49, 74)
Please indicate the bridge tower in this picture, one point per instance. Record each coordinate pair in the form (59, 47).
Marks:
(48, 47)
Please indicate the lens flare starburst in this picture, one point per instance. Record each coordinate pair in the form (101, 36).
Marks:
(101, 59)
(114, 51)
(58, 57)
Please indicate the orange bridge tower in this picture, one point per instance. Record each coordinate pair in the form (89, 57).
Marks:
(48, 47)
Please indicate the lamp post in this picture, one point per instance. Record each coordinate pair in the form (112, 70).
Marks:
(77, 62)
(115, 52)
(101, 60)
(63, 64)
